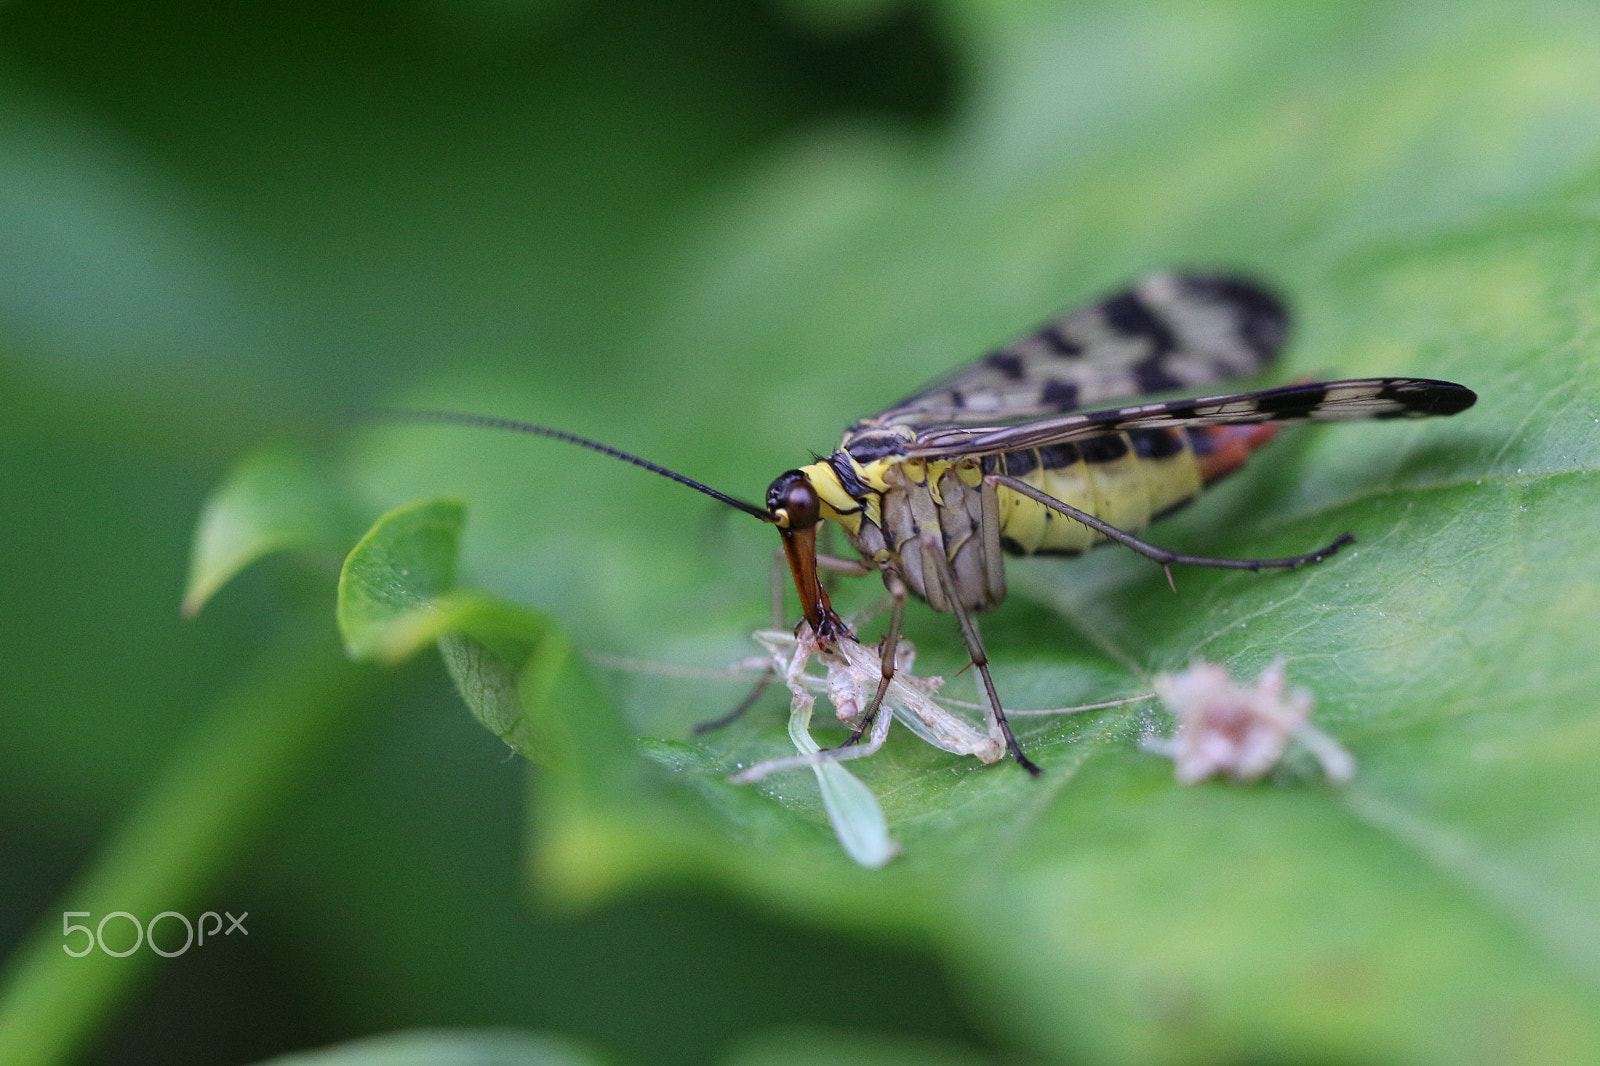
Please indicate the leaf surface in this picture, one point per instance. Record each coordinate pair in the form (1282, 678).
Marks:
(1423, 188)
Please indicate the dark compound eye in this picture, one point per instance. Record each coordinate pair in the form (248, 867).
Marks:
(792, 501)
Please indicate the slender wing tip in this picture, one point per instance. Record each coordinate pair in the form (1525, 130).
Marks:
(1423, 396)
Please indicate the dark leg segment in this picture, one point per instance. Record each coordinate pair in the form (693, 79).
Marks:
(777, 580)
(1162, 555)
(933, 558)
(745, 704)
(886, 656)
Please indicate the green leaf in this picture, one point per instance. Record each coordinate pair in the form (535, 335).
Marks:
(394, 577)
(520, 678)
(397, 595)
(1420, 182)
(443, 1048)
(806, 1045)
(274, 499)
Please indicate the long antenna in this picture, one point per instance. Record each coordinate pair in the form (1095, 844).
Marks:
(458, 418)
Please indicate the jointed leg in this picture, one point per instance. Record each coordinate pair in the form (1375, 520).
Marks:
(778, 573)
(830, 565)
(768, 676)
(933, 557)
(1150, 551)
(778, 581)
(887, 648)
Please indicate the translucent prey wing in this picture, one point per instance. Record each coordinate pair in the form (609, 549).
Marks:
(1170, 331)
(1324, 401)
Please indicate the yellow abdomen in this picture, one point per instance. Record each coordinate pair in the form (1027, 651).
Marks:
(1126, 479)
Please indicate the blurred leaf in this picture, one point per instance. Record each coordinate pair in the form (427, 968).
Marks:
(841, 17)
(397, 595)
(228, 220)
(210, 797)
(520, 678)
(274, 499)
(803, 1046)
(112, 270)
(464, 1048)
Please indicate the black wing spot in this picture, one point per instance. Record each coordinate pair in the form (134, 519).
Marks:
(1060, 395)
(1429, 397)
(1106, 449)
(1061, 345)
(1152, 376)
(1128, 315)
(1012, 546)
(1019, 464)
(1058, 456)
(1009, 365)
(1263, 319)
(1155, 443)
(1297, 401)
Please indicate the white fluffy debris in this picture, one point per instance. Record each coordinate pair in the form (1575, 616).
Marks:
(853, 810)
(1241, 730)
(852, 677)
(852, 673)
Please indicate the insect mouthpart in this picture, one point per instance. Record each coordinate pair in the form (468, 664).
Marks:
(796, 510)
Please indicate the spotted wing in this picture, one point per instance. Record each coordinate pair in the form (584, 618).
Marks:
(1325, 401)
(1171, 331)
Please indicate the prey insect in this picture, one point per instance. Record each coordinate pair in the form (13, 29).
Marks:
(1019, 454)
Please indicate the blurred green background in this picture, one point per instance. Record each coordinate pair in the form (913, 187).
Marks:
(715, 233)
(226, 224)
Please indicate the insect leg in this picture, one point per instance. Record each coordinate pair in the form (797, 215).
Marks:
(756, 692)
(1150, 551)
(778, 580)
(830, 565)
(934, 559)
(886, 656)
(778, 575)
